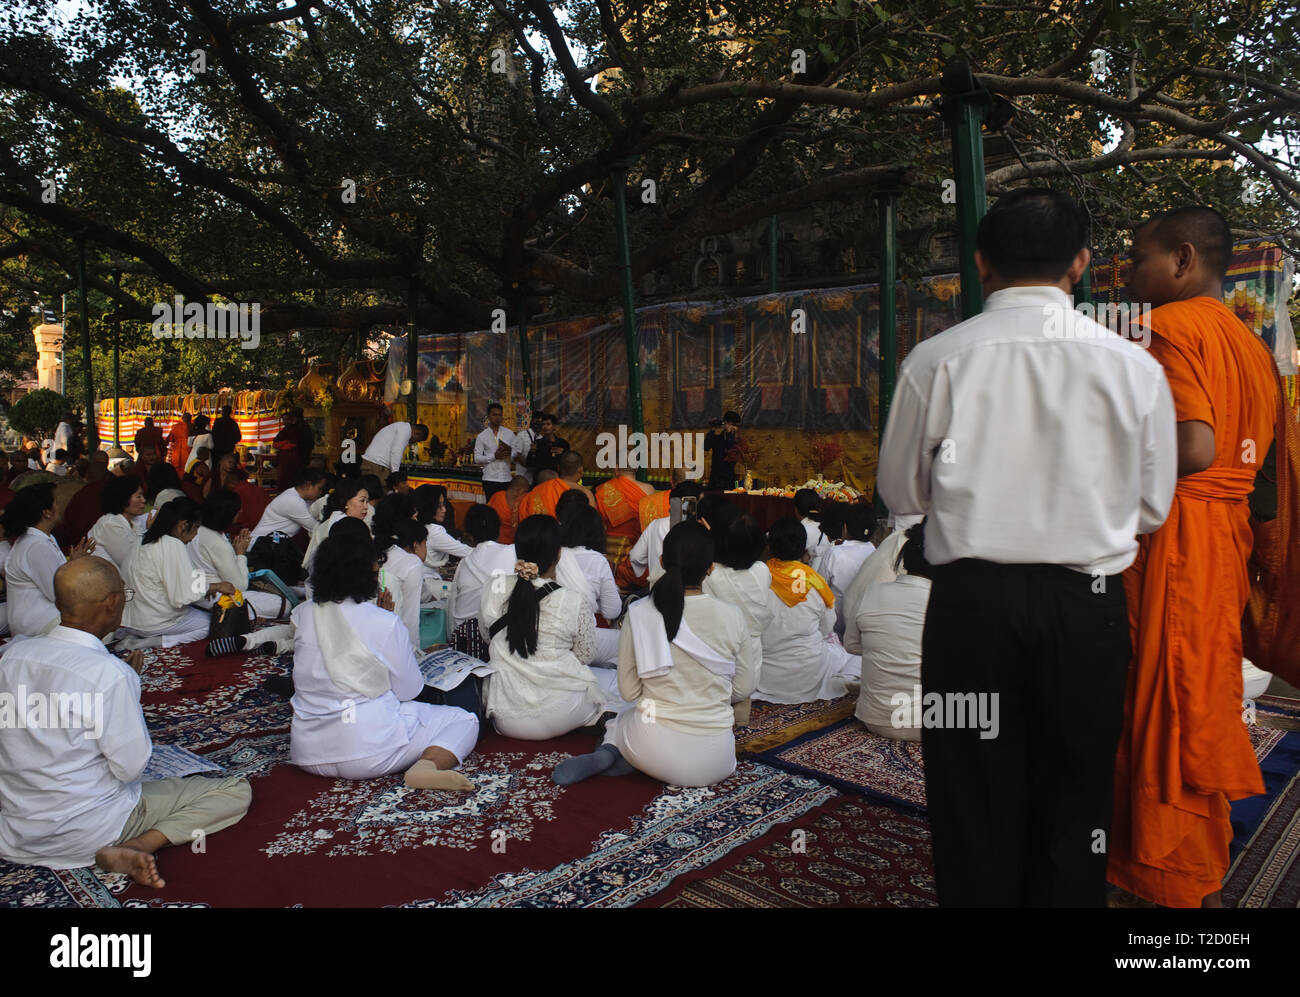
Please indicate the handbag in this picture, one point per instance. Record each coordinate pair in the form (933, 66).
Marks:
(230, 617)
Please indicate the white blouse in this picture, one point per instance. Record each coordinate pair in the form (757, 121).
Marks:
(443, 547)
(472, 574)
(331, 725)
(116, 539)
(29, 582)
(545, 681)
(403, 575)
(215, 555)
(589, 573)
(166, 583)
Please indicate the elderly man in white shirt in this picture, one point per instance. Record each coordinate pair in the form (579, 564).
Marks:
(494, 450)
(388, 447)
(70, 788)
(1039, 443)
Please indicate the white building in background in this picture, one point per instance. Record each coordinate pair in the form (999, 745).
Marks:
(49, 361)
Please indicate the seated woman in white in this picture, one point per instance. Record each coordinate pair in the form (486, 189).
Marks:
(685, 657)
(170, 602)
(355, 679)
(799, 665)
(349, 498)
(488, 558)
(29, 519)
(223, 560)
(808, 505)
(849, 527)
(584, 568)
(401, 572)
(434, 513)
(890, 622)
(115, 533)
(741, 578)
(541, 638)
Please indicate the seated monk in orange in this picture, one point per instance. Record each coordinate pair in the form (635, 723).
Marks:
(505, 503)
(541, 500)
(617, 501)
(655, 504)
(1185, 751)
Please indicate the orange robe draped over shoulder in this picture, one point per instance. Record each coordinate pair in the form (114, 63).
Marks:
(617, 501)
(1185, 752)
(541, 500)
(653, 506)
(179, 438)
(509, 517)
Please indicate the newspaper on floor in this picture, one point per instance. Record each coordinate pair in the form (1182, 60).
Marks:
(171, 761)
(447, 668)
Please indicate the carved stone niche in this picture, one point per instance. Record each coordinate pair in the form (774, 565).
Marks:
(709, 267)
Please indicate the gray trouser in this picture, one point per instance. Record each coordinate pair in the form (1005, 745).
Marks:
(184, 810)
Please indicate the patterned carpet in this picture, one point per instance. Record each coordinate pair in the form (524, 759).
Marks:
(771, 725)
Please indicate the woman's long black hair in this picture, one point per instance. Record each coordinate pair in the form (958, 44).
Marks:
(345, 565)
(220, 509)
(583, 528)
(178, 510)
(390, 514)
(688, 554)
(538, 540)
(25, 508)
(427, 498)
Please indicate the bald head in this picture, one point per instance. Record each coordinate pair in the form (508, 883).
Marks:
(518, 485)
(1203, 228)
(89, 594)
(570, 464)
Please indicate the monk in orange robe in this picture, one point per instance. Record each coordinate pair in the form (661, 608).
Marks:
(505, 503)
(1185, 751)
(179, 441)
(618, 501)
(655, 504)
(541, 500)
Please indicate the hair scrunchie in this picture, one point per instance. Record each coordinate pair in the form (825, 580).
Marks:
(526, 570)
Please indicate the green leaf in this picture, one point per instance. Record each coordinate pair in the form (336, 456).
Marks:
(948, 49)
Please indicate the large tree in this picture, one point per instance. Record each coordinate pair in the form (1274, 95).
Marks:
(214, 150)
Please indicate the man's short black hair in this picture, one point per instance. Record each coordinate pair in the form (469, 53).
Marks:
(1032, 234)
(731, 417)
(495, 405)
(1203, 227)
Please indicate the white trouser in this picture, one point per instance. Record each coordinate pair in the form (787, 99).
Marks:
(192, 625)
(672, 756)
(427, 726)
(575, 711)
(606, 648)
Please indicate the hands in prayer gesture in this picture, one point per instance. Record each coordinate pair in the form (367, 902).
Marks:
(87, 546)
(242, 541)
(385, 600)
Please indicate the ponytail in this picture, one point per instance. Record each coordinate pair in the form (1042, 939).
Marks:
(537, 541)
(178, 510)
(688, 553)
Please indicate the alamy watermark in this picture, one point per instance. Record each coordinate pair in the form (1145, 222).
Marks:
(178, 319)
(660, 451)
(946, 711)
(23, 710)
(1132, 321)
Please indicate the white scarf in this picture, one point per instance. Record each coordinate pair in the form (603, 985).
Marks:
(350, 664)
(650, 642)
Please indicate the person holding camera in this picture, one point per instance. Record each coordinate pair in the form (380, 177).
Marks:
(720, 441)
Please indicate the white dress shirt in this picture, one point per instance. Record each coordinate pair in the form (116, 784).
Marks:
(442, 547)
(166, 584)
(332, 725)
(62, 437)
(485, 448)
(1027, 445)
(403, 575)
(64, 792)
(29, 582)
(473, 572)
(388, 446)
(891, 621)
(116, 539)
(649, 548)
(588, 573)
(288, 513)
(876, 570)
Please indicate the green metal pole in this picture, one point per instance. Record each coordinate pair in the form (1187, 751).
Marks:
(412, 352)
(88, 386)
(523, 353)
(771, 249)
(117, 369)
(888, 305)
(964, 108)
(619, 180)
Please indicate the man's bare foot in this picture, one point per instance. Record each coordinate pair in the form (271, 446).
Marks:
(426, 775)
(140, 866)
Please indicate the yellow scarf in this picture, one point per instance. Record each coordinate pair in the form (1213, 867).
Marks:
(791, 580)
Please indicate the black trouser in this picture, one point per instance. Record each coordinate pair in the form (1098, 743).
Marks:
(490, 488)
(1023, 818)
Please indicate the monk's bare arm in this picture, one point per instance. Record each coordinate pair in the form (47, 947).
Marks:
(1195, 447)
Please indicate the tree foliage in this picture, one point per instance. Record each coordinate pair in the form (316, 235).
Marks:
(37, 413)
(211, 151)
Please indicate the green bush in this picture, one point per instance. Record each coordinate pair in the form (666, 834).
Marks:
(38, 413)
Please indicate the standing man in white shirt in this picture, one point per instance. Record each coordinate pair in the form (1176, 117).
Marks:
(494, 449)
(388, 447)
(524, 440)
(70, 789)
(1039, 443)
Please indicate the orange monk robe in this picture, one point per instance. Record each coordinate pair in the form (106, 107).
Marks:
(499, 504)
(651, 507)
(1185, 750)
(541, 500)
(617, 501)
(180, 447)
